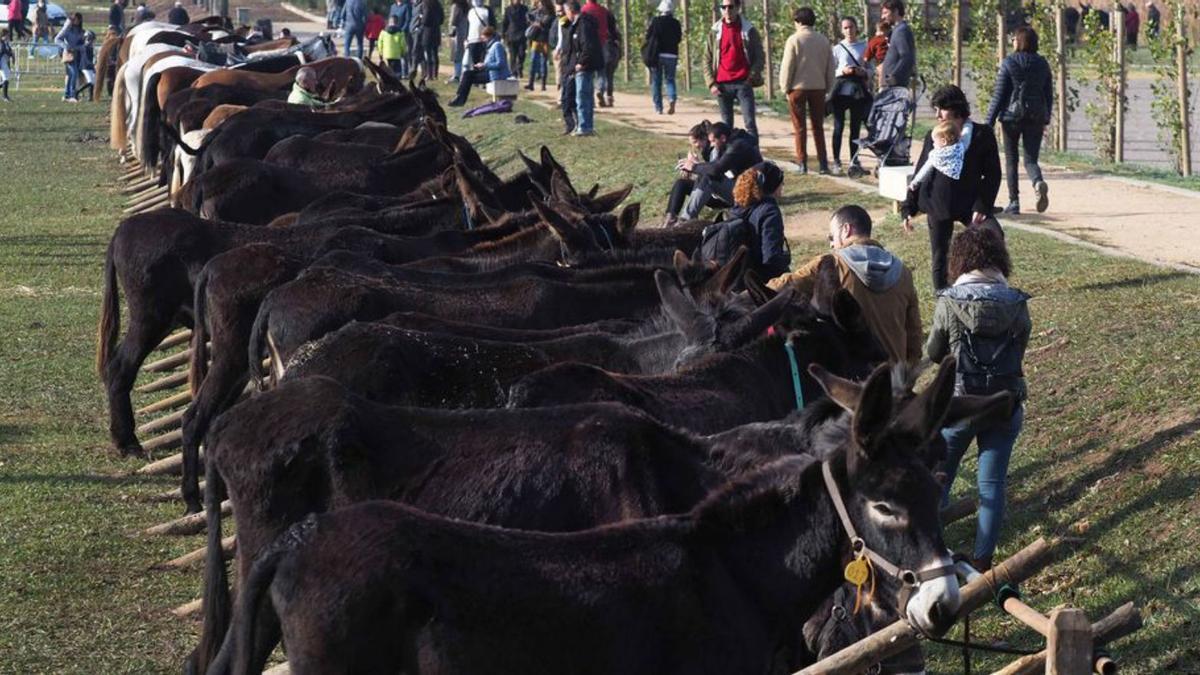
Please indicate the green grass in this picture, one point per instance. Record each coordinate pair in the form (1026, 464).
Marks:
(1080, 162)
(1111, 435)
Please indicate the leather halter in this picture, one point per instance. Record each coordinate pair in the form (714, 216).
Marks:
(908, 579)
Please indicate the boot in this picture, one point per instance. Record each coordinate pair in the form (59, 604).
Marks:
(599, 100)
(529, 87)
(1013, 208)
(823, 168)
(5, 90)
(610, 100)
(671, 108)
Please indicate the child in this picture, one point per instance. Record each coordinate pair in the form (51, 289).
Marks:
(6, 58)
(374, 28)
(947, 154)
(877, 48)
(87, 64)
(393, 45)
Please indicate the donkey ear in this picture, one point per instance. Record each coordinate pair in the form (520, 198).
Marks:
(926, 413)
(561, 189)
(967, 407)
(845, 393)
(591, 193)
(678, 307)
(758, 291)
(609, 201)
(730, 273)
(874, 411)
(826, 286)
(531, 166)
(628, 219)
(559, 226)
(681, 262)
(846, 311)
(759, 320)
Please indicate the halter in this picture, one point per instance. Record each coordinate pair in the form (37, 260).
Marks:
(795, 366)
(908, 579)
(562, 246)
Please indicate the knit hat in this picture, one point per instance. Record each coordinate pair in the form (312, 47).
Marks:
(666, 6)
(770, 176)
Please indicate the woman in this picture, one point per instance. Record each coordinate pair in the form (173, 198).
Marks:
(493, 66)
(459, 25)
(7, 59)
(851, 93)
(1023, 99)
(16, 20)
(754, 196)
(701, 151)
(660, 51)
(478, 18)
(513, 27)
(538, 34)
(984, 323)
(70, 40)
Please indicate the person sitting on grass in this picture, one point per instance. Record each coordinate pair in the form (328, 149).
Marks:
(949, 148)
(393, 45)
(754, 197)
(701, 151)
(493, 67)
(304, 91)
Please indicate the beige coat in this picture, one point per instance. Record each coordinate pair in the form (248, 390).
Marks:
(807, 61)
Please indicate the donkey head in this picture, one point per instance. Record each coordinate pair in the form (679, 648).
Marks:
(891, 497)
(579, 233)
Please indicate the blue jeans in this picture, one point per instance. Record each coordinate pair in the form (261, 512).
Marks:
(72, 79)
(664, 72)
(995, 441)
(40, 39)
(539, 67)
(743, 94)
(355, 35)
(584, 90)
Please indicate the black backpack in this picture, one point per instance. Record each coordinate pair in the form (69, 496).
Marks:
(722, 239)
(650, 48)
(1022, 107)
(988, 364)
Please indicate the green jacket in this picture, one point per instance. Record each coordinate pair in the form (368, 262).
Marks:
(301, 97)
(751, 43)
(393, 45)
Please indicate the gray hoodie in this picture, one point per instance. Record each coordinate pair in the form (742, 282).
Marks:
(874, 266)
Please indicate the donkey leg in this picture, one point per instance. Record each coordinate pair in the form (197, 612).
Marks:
(146, 330)
(219, 391)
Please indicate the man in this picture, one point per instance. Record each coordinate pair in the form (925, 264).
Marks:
(609, 36)
(582, 57)
(354, 24)
(41, 26)
(901, 57)
(178, 16)
(516, 21)
(734, 152)
(1071, 22)
(969, 199)
(733, 64)
(806, 73)
(1153, 20)
(878, 280)
(304, 89)
(116, 18)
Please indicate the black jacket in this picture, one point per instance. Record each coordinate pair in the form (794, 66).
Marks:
(770, 256)
(942, 197)
(740, 154)
(178, 16)
(433, 16)
(666, 31)
(583, 45)
(516, 20)
(1034, 71)
(116, 18)
(901, 57)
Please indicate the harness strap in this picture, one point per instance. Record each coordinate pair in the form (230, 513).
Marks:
(799, 393)
(856, 542)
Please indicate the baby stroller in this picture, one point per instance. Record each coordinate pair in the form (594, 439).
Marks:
(888, 134)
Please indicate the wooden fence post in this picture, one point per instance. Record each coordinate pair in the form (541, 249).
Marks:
(1069, 644)
(1060, 49)
(1119, 94)
(766, 33)
(625, 33)
(1001, 47)
(956, 41)
(1181, 62)
(866, 10)
(687, 47)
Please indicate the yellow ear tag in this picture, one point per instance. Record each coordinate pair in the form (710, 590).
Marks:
(857, 572)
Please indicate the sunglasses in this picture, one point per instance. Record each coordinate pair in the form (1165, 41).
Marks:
(727, 7)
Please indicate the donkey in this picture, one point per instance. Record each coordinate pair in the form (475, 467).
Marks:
(382, 586)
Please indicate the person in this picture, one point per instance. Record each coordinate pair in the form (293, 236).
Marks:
(41, 26)
(876, 52)
(393, 45)
(87, 65)
(354, 24)
(1022, 100)
(371, 31)
(478, 17)
(7, 58)
(285, 32)
(901, 57)
(16, 21)
(538, 34)
(806, 73)
(733, 64)
(734, 151)
(402, 11)
(949, 146)
(701, 151)
(1133, 22)
(458, 31)
(984, 323)
(494, 66)
(1071, 19)
(663, 36)
(305, 89)
(178, 16)
(70, 41)
(583, 58)
(851, 93)
(1153, 20)
(514, 25)
(116, 18)
(877, 279)
(431, 40)
(610, 46)
(755, 202)
(969, 199)
(142, 14)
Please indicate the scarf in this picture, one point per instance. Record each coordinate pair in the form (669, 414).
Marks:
(988, 275)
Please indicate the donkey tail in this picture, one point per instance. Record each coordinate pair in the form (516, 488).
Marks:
(216, 602)
(198, 362)
(110, 312)
(174, 135)
(258, 342)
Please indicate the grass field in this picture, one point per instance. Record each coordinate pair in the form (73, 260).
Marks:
(1110, 452)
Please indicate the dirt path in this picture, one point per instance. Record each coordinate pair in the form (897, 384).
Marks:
(1151, 222)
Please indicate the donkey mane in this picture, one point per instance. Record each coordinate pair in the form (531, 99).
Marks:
(754, 498)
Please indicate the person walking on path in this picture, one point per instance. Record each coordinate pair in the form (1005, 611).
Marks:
(582, 58)
(513, 27)
(969, 199)
(354, 24)
(806, 73)
(493, 67)
(16, 20)
(660, 52)
(178, 16)
(70, 40)
(1133, 23)
(984, 323)
(877, 279)
(734, 152)
(116, 18)
(87, 65)
(1022, 100)
(1153, 20)
(41, 26)
(7, 58)
(538, 34)
(851, 93)
(608, 35)
(901, 57)
(733, 64)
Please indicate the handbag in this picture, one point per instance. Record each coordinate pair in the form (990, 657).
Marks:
(68, 56)
(650, 48)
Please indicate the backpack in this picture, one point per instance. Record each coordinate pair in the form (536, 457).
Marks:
(650, 48)
(988, 364)
(719, 241)
(1023, 108)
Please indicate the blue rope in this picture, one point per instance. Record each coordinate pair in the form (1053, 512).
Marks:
(791, 354)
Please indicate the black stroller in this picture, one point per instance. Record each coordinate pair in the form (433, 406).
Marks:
(889, 135)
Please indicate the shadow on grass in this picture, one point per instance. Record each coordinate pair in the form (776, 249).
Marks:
(1135, 282)
(131, 480)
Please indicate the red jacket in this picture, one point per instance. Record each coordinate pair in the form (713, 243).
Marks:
(374, 26)
(14, 11)
(600, 15)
